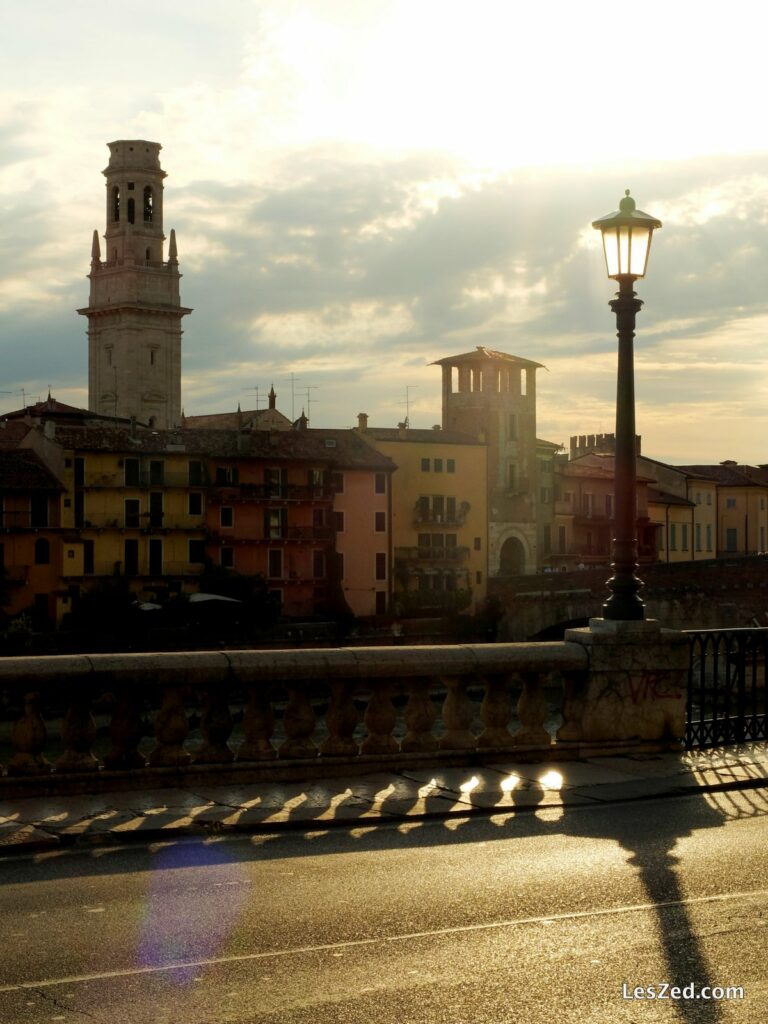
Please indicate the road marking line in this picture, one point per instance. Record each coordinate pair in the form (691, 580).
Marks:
(379, 939)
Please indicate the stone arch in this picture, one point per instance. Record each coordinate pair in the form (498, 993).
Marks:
(512, 557)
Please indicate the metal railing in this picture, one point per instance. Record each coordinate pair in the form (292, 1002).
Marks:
(726, 687)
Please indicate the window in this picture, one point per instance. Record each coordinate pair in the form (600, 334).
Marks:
(337, 482)
(438, 465)
(132, 510)
(709, 537)
(42, 552)
(195, 503)
(275, 563)
(698, 497)
(275, 523)
(131, 470)
(115, 203)
(709, 498)
(478, 577)
(380, 483)
(547, 539)
(155, 557)
(609, 505)
(227, 558)
(381, 565)
(226, 516)
(196, 551)
(381, 602)
(450, 510)
(156, 509)
(226, 475)
(425, 464)
(380, 522)
(684, 540)
(338, 521)
(88, 557)
(318, 564)
(131, 557)
(673, 537)
(545, 495)
(156, 472)
(731, 539)
(730, 503)
(148, 204)
(152, 356)
(275, 482)
(698, 536)
(39, 510)
(561, 539)
(318, 518)
(79, 472)
(450, 465)
(512, 425)
(477, 543)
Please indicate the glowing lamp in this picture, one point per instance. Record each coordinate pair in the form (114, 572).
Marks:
(626, 239)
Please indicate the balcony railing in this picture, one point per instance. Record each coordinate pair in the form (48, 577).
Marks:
(143, 521)
(280, 492)
(445, 553)
(117, 568)
(305, 534)
(287, 714)
(454, 517)
(25, 520)
(142, 479)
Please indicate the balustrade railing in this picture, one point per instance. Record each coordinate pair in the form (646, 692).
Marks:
(303, 712)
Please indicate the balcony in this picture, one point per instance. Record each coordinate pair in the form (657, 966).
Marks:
(279, 492)
(25, 520)
(142, 479)
(410, 555)
(144, 521)
(445, 517)
(302, 534)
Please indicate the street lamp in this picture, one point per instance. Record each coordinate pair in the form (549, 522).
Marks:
(626, 243)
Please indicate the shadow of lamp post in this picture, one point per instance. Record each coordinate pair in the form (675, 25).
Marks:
(626, 243)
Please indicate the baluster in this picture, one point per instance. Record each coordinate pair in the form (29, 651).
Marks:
(78, 731)
(496, 711)
(573, 708)
(126, 730)
(171, 728)
(341, 719)
(258, 726)
(457, 716)
(28, 738)
(532, 712)
(420, 715)
(380, 719)
(216, 727)
(299, 724)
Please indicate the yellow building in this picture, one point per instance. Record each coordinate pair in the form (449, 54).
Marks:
(439, 517)
(134, 502)
(741, 505)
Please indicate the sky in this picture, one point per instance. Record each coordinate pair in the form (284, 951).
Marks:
(360, 188)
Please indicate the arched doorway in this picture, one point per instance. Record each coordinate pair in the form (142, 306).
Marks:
(512, 558)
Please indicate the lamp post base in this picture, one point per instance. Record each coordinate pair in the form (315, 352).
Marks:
(624, 604)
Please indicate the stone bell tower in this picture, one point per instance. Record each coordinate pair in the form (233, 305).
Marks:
(134, 311)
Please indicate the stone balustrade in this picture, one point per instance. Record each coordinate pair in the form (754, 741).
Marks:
(138, 720)
(277, 714)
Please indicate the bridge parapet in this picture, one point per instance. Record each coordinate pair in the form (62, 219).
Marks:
(136, 721)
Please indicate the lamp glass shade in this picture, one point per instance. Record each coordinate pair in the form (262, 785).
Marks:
(626, 249)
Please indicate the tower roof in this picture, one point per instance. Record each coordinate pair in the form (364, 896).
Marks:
(483, 354)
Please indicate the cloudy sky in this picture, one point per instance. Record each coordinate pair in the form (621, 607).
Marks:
(360, 187)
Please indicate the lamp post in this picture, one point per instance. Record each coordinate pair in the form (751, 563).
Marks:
(626, 243)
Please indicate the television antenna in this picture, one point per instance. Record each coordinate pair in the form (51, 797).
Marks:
(407, 403)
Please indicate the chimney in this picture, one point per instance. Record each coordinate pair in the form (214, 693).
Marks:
(401, 430)
(362, 421)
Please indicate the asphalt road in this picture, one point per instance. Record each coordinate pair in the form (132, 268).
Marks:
(540, 916)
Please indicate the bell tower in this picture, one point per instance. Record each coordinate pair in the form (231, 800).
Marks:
(134, 310)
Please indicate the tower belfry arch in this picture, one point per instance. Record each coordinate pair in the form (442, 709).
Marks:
(134, 310)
